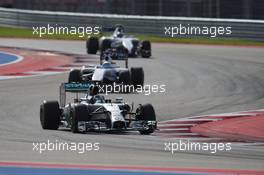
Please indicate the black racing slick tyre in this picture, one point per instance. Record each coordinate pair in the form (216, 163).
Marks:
(106, 44)
(124, 77)
(79, 112)
(75, 76)
(92, 45)
(146, 49)
(146, 113)
(50, 115)
(137, 76)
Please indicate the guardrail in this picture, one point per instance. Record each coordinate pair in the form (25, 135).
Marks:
(242, 29)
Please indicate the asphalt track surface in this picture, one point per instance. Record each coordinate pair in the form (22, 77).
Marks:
(199, 80)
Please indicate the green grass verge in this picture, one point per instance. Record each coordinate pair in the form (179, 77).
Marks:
(10, 32)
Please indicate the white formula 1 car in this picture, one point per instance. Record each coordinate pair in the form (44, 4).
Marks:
(134, 47)
(108, 72)
(95, 113)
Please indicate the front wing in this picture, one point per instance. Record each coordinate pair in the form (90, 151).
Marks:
(87, 126)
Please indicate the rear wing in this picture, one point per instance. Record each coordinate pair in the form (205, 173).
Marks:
(112, 28)
(108, 29)
(73, 88)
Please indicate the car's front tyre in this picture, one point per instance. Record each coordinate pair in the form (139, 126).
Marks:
(50, 115)
(146, 113)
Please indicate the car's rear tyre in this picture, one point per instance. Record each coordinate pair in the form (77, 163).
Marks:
(134, 50)
(106, 44)
(92, 45)
(146, 113)
(50, 115)
(137, 76)
(124, 78)
(75, 76)
(79, 112)
(146, 49)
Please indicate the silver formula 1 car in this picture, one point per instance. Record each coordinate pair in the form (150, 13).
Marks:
(108, 72)
(95, 113)
(134, 47)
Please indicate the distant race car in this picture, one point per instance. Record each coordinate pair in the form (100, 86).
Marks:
(95, 113)
(133, 46)
(108, 72)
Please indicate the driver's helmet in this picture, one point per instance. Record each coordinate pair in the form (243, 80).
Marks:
(119, 31)
(94, 90)
(107, 64)
(107, 55)
(99, 99)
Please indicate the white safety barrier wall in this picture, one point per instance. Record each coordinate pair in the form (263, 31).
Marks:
(241, 29)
